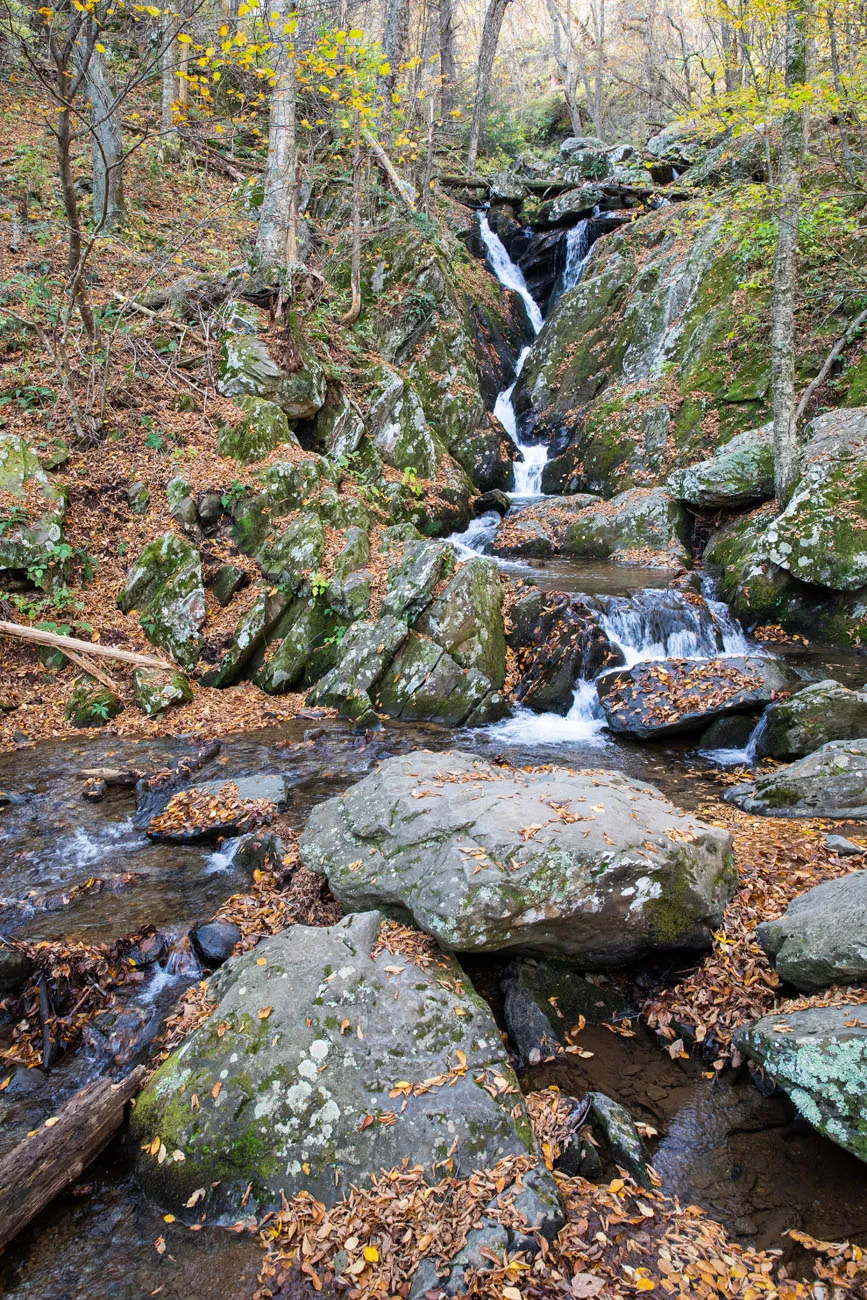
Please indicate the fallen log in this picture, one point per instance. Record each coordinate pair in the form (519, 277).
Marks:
(125, 777)
(55, 1155)
(58, 642)
(405, 192)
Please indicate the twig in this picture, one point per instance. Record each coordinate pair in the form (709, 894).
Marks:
(843, 341)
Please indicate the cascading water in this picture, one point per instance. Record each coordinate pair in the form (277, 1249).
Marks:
(661, 624)
(528, 472)
(578, 246)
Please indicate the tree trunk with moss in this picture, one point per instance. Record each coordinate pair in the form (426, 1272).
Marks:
(786, 265)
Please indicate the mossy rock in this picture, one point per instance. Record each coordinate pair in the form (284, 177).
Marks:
(165, 586)
(248, 369)
(640, 520)
(91, 704)
(155, 692)
(263, 428)
(279, 1123)
(291, 557)
(467, 620)
(822, 712)
(32, 518)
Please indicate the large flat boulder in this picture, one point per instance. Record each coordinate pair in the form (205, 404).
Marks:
(819, 1057)
(740, 473)
(831, 782)
(328, 1058)
(821, 938)
(822, 712)
(587, 865)
(643, 524)
(669, 697)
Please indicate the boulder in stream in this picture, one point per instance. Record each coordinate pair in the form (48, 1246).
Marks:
(822, 712)
(830, 782)
(819, 1057)
(557, 640)
(643, 525)
(328, 1058)
(544, 1001)
(821, 938)
(214, 809)
(586, 865)
(740, 473)
(669, 697)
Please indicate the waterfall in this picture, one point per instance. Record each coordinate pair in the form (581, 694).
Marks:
(508, 274)
(665, 624)
(528, 471)
(578, 245)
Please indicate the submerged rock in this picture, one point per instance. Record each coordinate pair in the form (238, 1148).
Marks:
(669, 697)
(306, 1052)
(587, 865)
(213, 810)
(822, 712)
(830, 782)
(821, 938)
(621, 1136)
(165, 586)
(820, 1060)
(215, 941)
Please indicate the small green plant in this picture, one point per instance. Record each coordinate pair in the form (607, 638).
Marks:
(336, 636)
(100, 709)
(154, 442)
(410, 479)
(318, 584)
(230, 498)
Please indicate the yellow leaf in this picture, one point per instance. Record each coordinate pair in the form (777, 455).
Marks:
(371, 1254)
(264, 1013)
(511, 1293)
(356, 34)
(168, 1218)
(384, 69)
(616, 1185)
(49, 1123)
(99, 47)
(184, 39)
(645, 1284)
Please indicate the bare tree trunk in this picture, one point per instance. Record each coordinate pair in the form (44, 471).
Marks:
(842, 109)
(448, 60)
(276, 235)
(394, 41)
(355, 266)
(106, 140)
(786, 267)
(600, 71)
(487, 53)
(167, 106)
(66, 86)
(565, 64)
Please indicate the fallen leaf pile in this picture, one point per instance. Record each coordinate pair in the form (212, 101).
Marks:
(776, 861)
(401, 941)
(191, 811)
(665, 691)
(619, 1240)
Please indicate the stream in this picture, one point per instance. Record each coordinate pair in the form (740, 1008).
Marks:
(77, 870)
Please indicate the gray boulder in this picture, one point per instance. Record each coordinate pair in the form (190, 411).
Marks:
(670, 697)
(830, 782)
(467, 619)
(335, 1064)
(739, 474)
(641, 522)
(412, 577)
(821, 938)
(165, 586)
(585, 865)
(365, 653)
(155, 691)
(822, 712)
(544, 1001)
(247, 369)
(425, 684)
(819, 1057)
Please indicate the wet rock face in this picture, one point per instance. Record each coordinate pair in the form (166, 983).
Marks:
(822, 712)
(558, 640)
(674, 696)
(830, 782)
(587, 865)
(214, 809)
(820, 1060)
(299, 1063)
(821, 938)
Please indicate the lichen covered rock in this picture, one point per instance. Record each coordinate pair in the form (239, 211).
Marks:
(821, 938)
(248, 369)
(821, 1062)
(740, 473)
(643, 522)
(586, 865)
(821, 712)
(300, 1060)
(830, 782)
(32, 516)
(165, 586)
(263, 428)
(155, 691)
